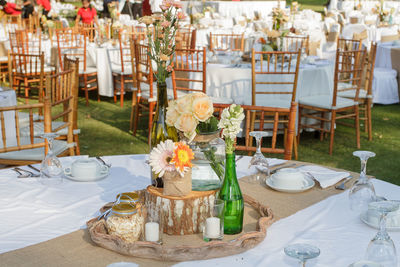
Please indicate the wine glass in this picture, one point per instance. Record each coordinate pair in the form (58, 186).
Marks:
(258, 160)
(51, 171)
(381, 248)
(363, 191)
(302, 252)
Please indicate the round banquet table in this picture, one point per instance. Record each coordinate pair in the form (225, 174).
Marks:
(32, 213)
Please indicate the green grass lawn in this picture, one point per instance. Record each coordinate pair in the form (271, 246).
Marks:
(104, 131)
(316, 5)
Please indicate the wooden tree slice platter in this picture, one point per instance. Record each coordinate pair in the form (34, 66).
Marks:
(257, 218)
(182, 215)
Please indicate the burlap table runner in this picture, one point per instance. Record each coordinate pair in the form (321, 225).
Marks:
(395, 55)
(77, 249)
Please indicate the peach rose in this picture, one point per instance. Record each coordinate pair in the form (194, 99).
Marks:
(146, 20)
(164, 57)
(202, 108)
(184, 104)
(186, 123)
(172, 114)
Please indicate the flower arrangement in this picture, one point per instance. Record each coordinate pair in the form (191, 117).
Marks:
(162, 44)
(191, 114)
(171, 156)
(294, 7)
(278, 17)
(231, 118)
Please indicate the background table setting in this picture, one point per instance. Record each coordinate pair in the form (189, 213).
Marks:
(57, 213)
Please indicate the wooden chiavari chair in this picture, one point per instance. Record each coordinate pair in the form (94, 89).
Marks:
(143, 98)
(267, 116)
(294, 43)
(365, 93)
(27, 71)
(25, 42)
(185, 38)
(17, 149)
(74, 44)
(121, 66)
(274, 74)
(348, 69)
(221, 42)
(89, 30)
(348, 44)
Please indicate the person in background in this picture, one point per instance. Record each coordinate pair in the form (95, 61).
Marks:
(10, 8)
(27, 9)
(106, 11)
(137, 8)
(46, 6)
(86, 13)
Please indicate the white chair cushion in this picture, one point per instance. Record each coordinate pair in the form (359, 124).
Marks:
(24, 119)
(4, 59)
(36, 154)
(118, 70)
(325, 101)
(274, 103)
(352, 94)
(38, 129)
(89, 70)
(179, 93)
(48, 68)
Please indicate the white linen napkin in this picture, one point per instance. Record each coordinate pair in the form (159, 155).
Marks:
(242, 165)
(326, 177)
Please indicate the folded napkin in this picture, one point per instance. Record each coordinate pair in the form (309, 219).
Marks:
(242, 165)
(326, 177)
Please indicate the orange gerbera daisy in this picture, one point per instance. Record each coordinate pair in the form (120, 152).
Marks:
(182, 157)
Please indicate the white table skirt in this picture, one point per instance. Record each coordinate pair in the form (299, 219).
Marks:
(32, 213)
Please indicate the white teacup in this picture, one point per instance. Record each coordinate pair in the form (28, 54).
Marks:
(289, 179)
(86, 169)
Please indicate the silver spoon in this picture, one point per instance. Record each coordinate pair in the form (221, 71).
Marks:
(102, 161)
(20, 174)
(28, 172)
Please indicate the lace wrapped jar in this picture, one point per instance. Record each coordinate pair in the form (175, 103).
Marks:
(125, 221)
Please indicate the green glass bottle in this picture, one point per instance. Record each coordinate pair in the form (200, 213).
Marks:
(160, 131)
(230, 192)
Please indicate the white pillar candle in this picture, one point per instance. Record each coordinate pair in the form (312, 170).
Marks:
(213, 227)
(152, 232)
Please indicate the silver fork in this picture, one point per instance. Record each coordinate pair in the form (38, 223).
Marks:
(341, 185)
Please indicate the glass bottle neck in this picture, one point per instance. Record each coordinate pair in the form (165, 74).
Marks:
(230, 166)
(162, 99)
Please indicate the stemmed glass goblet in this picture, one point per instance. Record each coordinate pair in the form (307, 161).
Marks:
(381, 248)
(363, 191)
(302, 252)
(258, 160)
(51, 171)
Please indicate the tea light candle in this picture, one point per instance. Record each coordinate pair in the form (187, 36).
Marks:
(152, 232)
(213, 226)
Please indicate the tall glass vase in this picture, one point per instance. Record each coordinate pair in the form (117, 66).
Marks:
(231, 194)
(160, 131)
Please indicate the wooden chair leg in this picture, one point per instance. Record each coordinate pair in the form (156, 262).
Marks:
(115, 89)
(333, 120)
(77, 148)
(357, 125)
(369, 118)
(151, 108)
(295, 148)
(136, 121)
(121, 97)
(134, 103)
(321, 133)
(299, 125)
(26, 91)
(86, 89)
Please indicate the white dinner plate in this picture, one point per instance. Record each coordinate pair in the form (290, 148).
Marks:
(91, 179)
(310, 184)
(364, 219)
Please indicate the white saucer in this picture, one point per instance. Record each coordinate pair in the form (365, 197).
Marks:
(310, 184)
(364, 219)
(87, 179)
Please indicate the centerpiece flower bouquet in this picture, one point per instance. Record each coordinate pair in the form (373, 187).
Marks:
(172, 161)
(279, 17)
(192, 116)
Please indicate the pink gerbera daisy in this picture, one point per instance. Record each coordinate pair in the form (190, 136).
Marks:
(160, 157)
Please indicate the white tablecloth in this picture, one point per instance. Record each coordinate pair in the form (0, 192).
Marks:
(235, 83)
(32, 213)
(383, 55)
(7, 99)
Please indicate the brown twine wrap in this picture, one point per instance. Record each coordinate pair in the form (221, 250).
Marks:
(176, 185)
